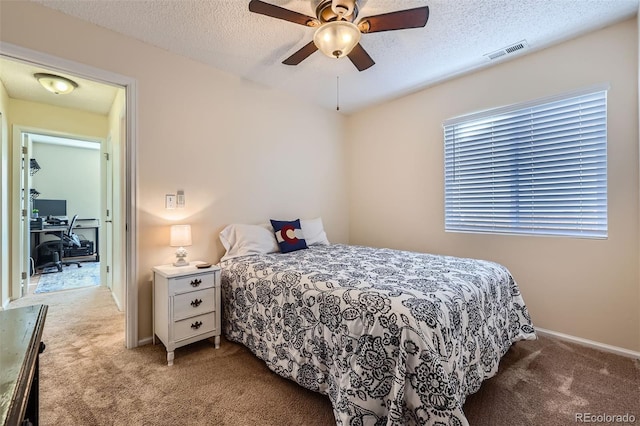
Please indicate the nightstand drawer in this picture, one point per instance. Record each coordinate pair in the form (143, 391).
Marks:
(191, 283)
(194, 303)
(194, 326)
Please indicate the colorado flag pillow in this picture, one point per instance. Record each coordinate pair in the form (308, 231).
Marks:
(289, 235)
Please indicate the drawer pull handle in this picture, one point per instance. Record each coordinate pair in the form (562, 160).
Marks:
(196, 303)
(196, 325)
(196, 282)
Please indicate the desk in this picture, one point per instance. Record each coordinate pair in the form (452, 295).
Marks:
(58, 231)
(21, 335)
(90, 224)
(93, 224)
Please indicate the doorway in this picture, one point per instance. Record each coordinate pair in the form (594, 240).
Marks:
(65, 186)
(123, 175)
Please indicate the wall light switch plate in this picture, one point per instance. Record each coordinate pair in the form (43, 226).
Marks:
(170, 201)
(180, 199)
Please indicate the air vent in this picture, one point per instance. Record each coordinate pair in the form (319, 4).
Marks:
(507, 50)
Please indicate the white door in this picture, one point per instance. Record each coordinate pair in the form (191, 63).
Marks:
(108, 236)
(25, 204)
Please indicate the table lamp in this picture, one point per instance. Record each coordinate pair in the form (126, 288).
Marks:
(180, 237)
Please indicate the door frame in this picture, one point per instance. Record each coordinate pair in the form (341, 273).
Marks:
(23, 185)
(129, 198)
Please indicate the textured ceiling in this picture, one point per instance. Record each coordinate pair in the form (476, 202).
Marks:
(456, 39)
(20, 83)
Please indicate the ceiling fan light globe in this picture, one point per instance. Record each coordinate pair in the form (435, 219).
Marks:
(337, 39)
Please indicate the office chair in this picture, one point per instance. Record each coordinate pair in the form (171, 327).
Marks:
(70, 240)
(48, 256)
(53, 250)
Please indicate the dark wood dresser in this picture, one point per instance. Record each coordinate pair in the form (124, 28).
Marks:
(20, 348)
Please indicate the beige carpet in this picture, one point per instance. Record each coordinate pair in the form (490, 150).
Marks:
(89, 378)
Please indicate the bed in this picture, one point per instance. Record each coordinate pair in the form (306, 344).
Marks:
(392, 337)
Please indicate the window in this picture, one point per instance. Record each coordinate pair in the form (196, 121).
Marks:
(537, 168)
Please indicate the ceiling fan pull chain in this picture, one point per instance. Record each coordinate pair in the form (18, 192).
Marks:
(337, 93)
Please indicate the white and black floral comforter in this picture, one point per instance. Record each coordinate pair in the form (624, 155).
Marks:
(392, 337)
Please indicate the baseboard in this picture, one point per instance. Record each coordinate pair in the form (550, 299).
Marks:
(590, 343)
(115, 299)
(573, 339)
(5, 304)
(145, 341)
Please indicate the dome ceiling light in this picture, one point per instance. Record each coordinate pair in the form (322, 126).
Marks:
(55, 83)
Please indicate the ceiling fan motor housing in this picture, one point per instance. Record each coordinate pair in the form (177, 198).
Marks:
(333, 10)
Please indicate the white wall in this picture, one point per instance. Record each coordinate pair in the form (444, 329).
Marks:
(69, 173)
(241, 152)
(584, 288)
(117, 255)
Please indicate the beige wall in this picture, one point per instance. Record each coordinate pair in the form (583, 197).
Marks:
(241, 152)
(585, 288)
(57, 119)
(638, 65)
(244, 153)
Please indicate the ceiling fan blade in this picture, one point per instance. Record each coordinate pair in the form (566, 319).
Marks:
(278, 12)
(360, 58)
(409, 18)
(301, 54)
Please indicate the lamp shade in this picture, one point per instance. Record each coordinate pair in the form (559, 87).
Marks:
(337, 39)
(180, 235)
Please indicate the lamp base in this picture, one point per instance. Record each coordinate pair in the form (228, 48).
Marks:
(181, 255)
(180, 262)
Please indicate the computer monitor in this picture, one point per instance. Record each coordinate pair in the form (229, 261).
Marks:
(50, 207)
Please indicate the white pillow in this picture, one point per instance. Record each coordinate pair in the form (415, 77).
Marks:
(241, 240)
(313, 232)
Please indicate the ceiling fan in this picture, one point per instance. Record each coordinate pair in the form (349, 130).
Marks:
(337, 35)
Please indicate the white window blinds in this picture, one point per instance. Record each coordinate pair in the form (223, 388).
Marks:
(534, 169)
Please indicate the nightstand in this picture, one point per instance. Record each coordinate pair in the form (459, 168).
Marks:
(186, 305)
